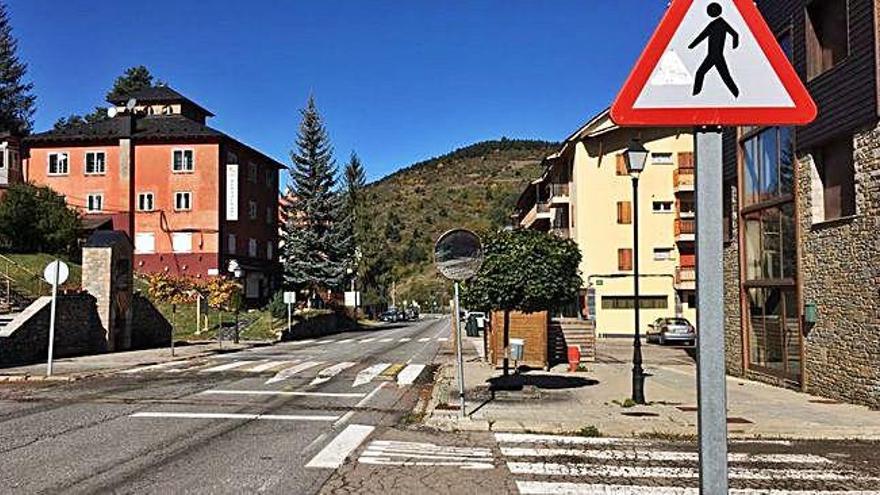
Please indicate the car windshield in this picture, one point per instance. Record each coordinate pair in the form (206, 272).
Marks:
(677, 321)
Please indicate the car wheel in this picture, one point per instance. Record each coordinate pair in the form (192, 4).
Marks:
(661, 340)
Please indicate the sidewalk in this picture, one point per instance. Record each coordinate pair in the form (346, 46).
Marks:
(75, 368)
(560, 401)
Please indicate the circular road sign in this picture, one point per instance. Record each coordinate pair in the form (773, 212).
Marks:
(56, 268)
(458, 254)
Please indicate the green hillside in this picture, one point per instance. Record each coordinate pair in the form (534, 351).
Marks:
(474, 187)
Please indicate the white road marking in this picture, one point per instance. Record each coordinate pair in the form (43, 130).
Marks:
(385, 452)
(227, 366)
(328, 373)
(389, 462)
(301, 342)
(268, 366)
(404, 339)
(367, 375)
(153, 367)
(344, 419)
(424, 339)
(386, 339)
(364, 341)
(284, 393)
(442, 339)
(370, 395)
(598, 470)
(334, 453)
(409, 374)
(288, 372)
(326, 341)
(345, 341)
(633, 455)
(277, 417)
(555, 488)
(559, 439)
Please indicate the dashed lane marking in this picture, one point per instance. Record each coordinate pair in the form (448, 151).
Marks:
(404, 339)
(334, 453)
(270, 365)
(364, 341)
(424, 339)
(153, 367)
(285, 393)
(288, 372)
(409, 374)
(228, 366)
(326, 374)
(276, 417)
(367, 375)
(386, 339)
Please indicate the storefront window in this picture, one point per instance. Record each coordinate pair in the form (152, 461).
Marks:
(769, 166)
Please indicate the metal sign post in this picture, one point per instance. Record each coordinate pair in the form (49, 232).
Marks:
(711, 376)
(56, 273)
(289, 299)
(458, 255)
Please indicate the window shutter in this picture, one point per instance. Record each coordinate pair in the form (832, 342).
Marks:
(624, 212)
(624, 260)
(686, 160)
(621, 165)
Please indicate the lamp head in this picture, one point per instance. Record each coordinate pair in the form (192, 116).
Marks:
(636, 158)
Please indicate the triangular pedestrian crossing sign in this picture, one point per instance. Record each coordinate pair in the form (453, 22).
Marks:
(713, 62)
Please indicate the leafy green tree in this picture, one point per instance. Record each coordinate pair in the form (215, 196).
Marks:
(133, 79)
(316, 244)
(37, 220)
(524, 270)
(17, 102)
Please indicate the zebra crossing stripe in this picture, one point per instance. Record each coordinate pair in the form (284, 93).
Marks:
(564, 440)
(395, 453)
(633, 455)
(334, 453)
(367, 375)
(387, 339)
(409, 374)
(302, 342)
(442, 339)
(345, 341)
(326, 374)
(228, 366)
(404, 339)
(599, 470)
(288, 372)
(364, 341)
(559, 488)
(153, 367)
(424, 339)
(268, 366)
(186, 415)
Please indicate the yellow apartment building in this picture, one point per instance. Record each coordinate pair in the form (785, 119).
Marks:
(585, 194)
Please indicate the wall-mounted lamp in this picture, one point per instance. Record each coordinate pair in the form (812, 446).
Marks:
(811, 313)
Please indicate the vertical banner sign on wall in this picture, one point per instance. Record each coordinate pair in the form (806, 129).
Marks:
(712, 63)
(232, 192)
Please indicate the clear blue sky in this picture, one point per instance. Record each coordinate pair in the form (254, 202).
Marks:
(398, 81)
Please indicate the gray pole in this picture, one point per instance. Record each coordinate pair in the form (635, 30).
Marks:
(289, 318)
(638, 373)
(711, 390)
(52, 318)
(457, 319)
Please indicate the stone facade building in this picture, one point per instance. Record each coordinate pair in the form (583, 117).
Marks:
(802, 207)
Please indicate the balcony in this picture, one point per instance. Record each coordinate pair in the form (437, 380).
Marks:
(559, 194)
(686, 278)
(540, 212)
(561, 232)
(685, 230)
(683, 180)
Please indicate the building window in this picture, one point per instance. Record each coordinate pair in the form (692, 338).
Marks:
(662, 159)
(827, 35)
(662, 206)
(182, 201)
(663, 254)
(269, 251)
(727, 209)
(270, 178)
(145, 202)
(252, 248)
(145, 243)
(95, 203)
(231, 158)
(181, 242)
(768, 159)
(183, 161)
(270, 215)
(624, 260)
(621, 165)
(834, 190)
(252, 172)
(629, 302)
(252, 210)
(624, 212)
(59, 164)
(96, 163)
(231, 244)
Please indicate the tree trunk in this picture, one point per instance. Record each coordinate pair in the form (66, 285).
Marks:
(506, 342)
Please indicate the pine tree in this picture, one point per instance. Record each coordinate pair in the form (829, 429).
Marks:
(315, 246)
(16, 100)
(355, 181)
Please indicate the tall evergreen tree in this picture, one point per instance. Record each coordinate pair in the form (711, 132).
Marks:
(315, 246)
(17, 103)
(355, 181)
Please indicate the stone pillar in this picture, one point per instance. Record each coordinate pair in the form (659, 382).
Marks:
(107, 276)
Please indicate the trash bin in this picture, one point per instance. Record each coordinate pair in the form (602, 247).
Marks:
(470, 327)
(517, 349)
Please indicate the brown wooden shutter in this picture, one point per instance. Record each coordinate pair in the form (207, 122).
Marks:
(686, 160)
(624, 259)
(621, 165)
(624, 212)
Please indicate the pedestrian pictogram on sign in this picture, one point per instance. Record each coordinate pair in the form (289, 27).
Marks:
(713, 62)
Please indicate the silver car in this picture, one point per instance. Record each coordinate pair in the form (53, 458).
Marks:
(672, 330)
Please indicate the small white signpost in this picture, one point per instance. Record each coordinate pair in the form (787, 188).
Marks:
(289, 300)
(56, 273)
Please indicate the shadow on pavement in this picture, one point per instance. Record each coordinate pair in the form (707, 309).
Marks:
(546, 382)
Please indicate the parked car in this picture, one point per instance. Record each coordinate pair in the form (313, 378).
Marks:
(390, 316)
(667, 330)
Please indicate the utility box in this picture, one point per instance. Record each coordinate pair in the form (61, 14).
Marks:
(530, 328)
(517, 348)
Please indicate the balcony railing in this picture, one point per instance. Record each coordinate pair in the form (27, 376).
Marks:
(559, 190)
(686, 278)
(685, 227)
(683, 179)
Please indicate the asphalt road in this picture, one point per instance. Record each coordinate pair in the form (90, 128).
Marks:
(276, 419)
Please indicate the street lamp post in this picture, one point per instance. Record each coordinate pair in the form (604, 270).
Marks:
(235, 269)
(636, 158)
